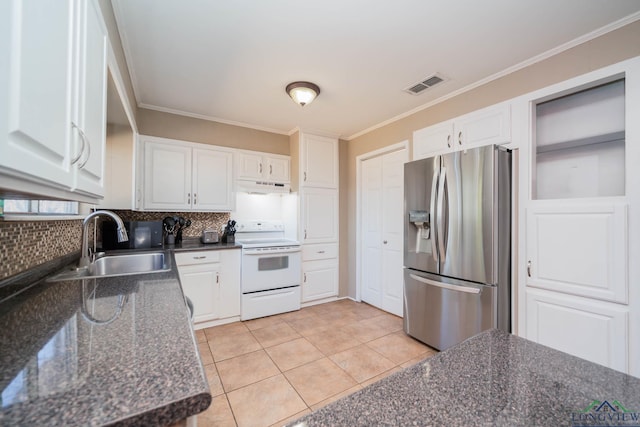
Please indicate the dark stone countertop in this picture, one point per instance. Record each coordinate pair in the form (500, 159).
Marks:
(194, 244)
(117, 350)
(492, 379)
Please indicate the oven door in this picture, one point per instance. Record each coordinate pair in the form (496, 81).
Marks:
(269, 268)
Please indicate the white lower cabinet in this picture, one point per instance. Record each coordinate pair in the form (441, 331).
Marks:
(593, 330)
(319, 279)
(211, 279)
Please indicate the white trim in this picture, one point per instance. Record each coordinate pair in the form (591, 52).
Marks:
(216, 322)
(212, 119)
(404, 145)
(320, 301)
(112, 66)
(526, 63)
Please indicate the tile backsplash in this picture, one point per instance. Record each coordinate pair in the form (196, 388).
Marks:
(199, 220)
(26, 244)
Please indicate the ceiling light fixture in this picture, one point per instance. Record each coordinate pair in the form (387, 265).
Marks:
(303, 92)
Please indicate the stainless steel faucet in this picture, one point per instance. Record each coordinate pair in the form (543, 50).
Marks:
(84, 251)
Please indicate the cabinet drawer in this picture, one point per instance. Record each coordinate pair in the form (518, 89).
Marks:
(194, 258)
(321, 251)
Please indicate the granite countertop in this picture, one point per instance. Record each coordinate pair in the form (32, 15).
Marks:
(492, 379)
(117, 350)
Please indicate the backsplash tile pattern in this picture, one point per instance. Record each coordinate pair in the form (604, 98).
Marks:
(199, 220)
(25, 244)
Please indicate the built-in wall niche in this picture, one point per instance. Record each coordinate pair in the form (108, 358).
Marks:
(580, 143)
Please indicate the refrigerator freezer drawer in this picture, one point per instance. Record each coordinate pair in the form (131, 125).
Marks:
(442, 313)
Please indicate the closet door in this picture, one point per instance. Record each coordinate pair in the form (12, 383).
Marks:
(382, 249)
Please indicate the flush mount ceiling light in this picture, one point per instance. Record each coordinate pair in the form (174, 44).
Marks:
(303, 92)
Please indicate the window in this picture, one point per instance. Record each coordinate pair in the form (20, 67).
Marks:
(48, 207)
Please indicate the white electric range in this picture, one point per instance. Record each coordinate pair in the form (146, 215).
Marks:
(271, 269)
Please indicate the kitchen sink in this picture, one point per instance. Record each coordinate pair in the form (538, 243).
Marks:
(118, 265)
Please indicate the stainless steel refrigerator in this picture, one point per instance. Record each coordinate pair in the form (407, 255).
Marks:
(457, 254)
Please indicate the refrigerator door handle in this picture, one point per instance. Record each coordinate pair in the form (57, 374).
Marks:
(440, 216)
(451, 287)
(433, 219)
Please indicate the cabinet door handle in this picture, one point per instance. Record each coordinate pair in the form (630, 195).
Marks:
(85, 144)
(81, 165)
(529, 268)
(449, 141)
(260, 168)
(305, 176)
(320, 252)
(384, 241)
(199, 257)
(217, 277)
(188, 198)
(195, 199)
(305, 234)
(305, 278)
(270, 169)
(460, 138)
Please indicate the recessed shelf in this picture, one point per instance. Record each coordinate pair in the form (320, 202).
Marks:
(582, 142)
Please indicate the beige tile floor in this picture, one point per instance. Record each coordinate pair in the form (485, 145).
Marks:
(269, 371)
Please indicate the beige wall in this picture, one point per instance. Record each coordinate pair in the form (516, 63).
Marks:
(166, 125)
(608, 49)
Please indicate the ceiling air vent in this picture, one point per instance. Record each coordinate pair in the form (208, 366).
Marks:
(430, 81)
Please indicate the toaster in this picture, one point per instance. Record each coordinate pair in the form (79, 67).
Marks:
(209, 236)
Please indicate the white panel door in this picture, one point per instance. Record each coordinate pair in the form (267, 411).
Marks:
(167, 177)
(212, 183)
(392, 231)
(278, 169)
(319, 215)
(201, 284)
(319, 279)
(593, 330)
(91, 114)
(431, 140)
(319, 161)
(230, 270)
(578, 249)
(35, 95)
(382, 204)
(371, 226)
(485, 127)
(250, 166)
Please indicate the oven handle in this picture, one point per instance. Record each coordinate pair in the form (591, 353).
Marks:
(269, 253)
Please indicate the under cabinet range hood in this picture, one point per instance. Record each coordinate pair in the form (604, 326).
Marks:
(262, 187)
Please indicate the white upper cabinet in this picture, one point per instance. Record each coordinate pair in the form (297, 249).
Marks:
(319, 161)
(53, 94)
(91, 106)
(488, 126)
(181, 176)
(212, 180)
(255, 166)
(167, 176)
